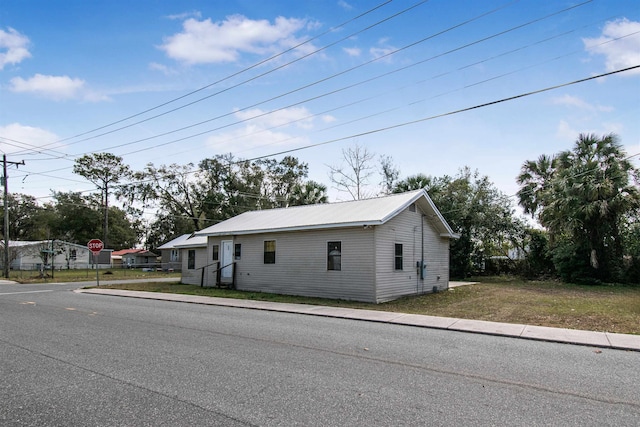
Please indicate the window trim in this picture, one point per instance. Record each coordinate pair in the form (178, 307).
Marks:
(397, 257)
(237, 251)
(191, 259)
(265, 253)
(331, 259)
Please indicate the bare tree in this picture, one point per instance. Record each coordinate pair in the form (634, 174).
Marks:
(352, 176)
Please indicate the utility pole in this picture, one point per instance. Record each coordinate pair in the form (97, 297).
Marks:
(5, 179)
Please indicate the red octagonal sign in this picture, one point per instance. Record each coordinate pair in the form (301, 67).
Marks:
(95, 246)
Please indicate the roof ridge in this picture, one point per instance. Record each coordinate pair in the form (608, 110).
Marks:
(340, 202)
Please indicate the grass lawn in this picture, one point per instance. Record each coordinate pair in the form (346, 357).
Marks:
(497, 299)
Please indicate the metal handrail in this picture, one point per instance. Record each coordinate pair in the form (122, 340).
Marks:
(217, 271)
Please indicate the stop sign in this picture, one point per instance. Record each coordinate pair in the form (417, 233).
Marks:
(95, 246)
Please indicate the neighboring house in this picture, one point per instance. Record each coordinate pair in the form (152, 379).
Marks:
(170, 255)
(35, 255)
(194, 259)
(134, 258)
(370, 250)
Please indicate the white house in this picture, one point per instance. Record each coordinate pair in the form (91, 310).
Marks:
(34, 255)
(170, 254)
(194, 259)
(370, 250)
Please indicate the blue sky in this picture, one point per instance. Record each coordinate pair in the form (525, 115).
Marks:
(78, 77)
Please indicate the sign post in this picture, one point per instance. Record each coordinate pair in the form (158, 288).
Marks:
(95, 246)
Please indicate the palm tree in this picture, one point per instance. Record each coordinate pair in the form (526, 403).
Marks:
(584, 193)
(308, 193)
(535, 179)
(597, 194)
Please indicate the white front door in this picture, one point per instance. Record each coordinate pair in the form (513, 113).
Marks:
(226, 259)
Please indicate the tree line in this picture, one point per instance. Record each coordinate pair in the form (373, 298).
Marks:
(585, 201)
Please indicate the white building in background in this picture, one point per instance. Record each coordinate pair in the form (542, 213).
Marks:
(35, 255)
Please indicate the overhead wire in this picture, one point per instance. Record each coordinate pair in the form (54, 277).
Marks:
(396, 89)
(413, 122)
(530, 22)
(462, 110)
(306, 86)
(228, 77)
(352, 135)
(244, 82)
(335, 91)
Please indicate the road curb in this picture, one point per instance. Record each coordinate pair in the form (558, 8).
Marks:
(536, 333)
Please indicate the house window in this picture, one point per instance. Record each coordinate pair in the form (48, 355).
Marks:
(175, 254)
(334, 256)
(73, 254)
(216, 253)
(398, 256)
(237, 251)
(191, 260)
(269, 251)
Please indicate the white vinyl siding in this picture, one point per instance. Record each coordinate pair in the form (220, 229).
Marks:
(405, 229)
(193, 276)
(301, 265)
(369, 231)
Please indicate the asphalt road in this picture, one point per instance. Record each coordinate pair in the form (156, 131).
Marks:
(89, 360)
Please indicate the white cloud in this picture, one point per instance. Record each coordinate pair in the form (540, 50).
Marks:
(13, 47)
(185, 15)
(573, 101)
(379, 52)
(55, 87)
(250, 137)
(16, 137)
(618, 44)
(382, 50)
(352, 51)
(167, 71)
(259, 130)
(343, 4)
(298, 116)
(568, 133)
(213, 42)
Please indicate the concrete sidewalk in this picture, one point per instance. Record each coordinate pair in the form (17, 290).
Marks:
(540, 333)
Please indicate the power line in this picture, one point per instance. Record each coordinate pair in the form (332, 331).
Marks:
(424, 119)
(333, 92)
(263, 156)
(343, 72)
(239, 73)
(463, 110)
(301, 88)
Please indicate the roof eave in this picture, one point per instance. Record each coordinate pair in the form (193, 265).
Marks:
(296, 228)
(450, 235)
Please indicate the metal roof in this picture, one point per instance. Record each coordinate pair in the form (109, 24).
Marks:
(172, 243)
(192, 241)
(365, 212)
